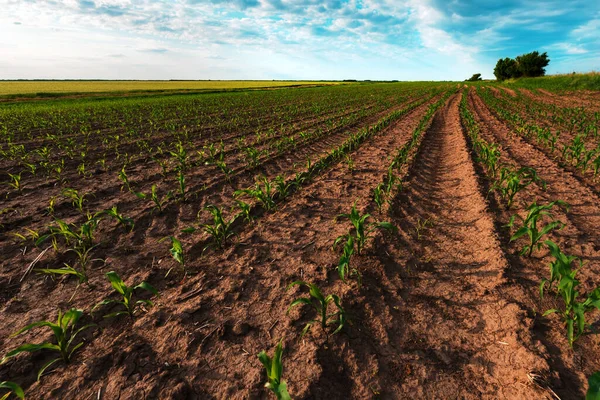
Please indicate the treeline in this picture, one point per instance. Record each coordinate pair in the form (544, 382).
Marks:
(526, 65)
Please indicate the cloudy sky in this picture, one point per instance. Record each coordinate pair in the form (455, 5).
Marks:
(288, 39)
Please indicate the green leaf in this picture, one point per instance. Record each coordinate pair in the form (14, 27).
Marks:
(116, 314)
(301, 300)
(16, 389)
(45, 367)
(521, 232)
(33, 325)
(29, 348)
(548, 312)
(387, 225)
(147, 287)
(116, 282)
(593, 392)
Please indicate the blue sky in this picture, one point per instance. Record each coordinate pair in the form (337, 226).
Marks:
(282, 39)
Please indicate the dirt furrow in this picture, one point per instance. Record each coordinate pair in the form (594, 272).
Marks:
(459, 336)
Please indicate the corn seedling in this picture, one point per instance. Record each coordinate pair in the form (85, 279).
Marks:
(349, 163)
(64, 333)
(51, 205)
(559, 267)
(320, 303)
(283, 188)
(125, 180)
(30, 235)
(574, 312)
(77, 200)
(422, 225)
(125, 221)
(220, 230)
(126, 293)
(181, 182)
(379, 196)
(512, 182)
(14, 389)
(82, 236)
(362, 229)
(274, 368)
(177, 253)
(180, 154)
(252, 155)
(344, 262)
(84, 259)
(263, 194)
(530, 225)
(15, 181)
(245, 210)
(228, 172)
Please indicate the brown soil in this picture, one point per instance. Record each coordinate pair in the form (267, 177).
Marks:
(446, 310)
(580, 238)
(562, 100)
(457, 334)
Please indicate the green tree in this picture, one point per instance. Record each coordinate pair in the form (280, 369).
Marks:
(506, 68)
(475, 77)
(532, 64)
(527, 65)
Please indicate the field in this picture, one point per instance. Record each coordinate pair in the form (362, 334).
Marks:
(438, 223)
(47, 88)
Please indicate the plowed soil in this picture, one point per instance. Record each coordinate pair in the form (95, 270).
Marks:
(446, 308)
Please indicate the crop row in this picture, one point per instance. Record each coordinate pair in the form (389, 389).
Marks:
(533, 224)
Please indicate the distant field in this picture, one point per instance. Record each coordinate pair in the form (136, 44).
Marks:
(31, 87)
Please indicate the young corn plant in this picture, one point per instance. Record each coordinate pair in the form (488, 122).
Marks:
(177, 253)
(65, 333)
(77, 199)
(530, 225)
(51, 205)
(126, 222)
(562, 265)
(181, 184)
(78, 269)
(220, 230)
(245, 210)
(15, 181)
(12, 388)
(512, 182)
(379, 196)
(283, 188)
(274, 368)
(320, 303)
(228, 172)
(123, 177)
(344, 263)
(159, 203)
(362, 229)
(130, 306)
(574, 313)
(263, 194)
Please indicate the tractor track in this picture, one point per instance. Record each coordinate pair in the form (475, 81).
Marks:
(457, 334)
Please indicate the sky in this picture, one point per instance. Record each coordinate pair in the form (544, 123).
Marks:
(284, 39)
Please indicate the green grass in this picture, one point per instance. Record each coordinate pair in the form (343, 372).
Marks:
(56, 87)
(574, 81)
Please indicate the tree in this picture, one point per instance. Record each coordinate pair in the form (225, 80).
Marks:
(527, 65)
(505, 69)
(475, 77)
(532, 64)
